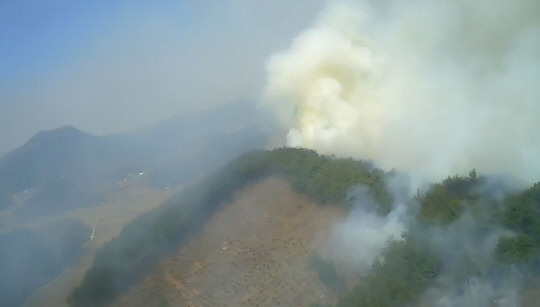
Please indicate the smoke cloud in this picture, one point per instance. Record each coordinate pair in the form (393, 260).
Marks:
(432, 87)
(357, 240)
(362, 235)
(467, 276)
(467, 272)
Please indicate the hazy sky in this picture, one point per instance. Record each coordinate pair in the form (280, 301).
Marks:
(111, 66)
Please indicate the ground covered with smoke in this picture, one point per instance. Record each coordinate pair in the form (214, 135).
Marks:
(468, 240)
(442, 96)
(430, 89)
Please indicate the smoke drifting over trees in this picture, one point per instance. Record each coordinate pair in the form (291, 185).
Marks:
(417, 120)
(432, 87)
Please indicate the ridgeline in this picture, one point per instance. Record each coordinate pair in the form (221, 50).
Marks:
(406, 267)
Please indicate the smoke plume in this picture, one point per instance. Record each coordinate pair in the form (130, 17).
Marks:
(362, 235)
(431, 87)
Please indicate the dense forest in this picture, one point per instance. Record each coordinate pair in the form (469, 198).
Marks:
(437, 254)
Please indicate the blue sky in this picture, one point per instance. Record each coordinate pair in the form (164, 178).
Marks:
(40, 36)
(113, 66)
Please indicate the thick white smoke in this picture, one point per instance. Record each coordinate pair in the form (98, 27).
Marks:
(433, 87)
(357, 240)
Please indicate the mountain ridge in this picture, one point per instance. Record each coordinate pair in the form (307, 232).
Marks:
(67, 168)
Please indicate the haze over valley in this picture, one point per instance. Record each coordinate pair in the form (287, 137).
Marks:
(270, 153)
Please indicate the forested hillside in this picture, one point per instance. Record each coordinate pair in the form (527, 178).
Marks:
(466, 247)
(463, 238)
(150, 237)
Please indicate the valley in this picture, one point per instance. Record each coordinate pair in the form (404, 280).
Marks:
(107, 220)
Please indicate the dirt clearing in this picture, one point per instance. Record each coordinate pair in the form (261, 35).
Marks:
(254, 252)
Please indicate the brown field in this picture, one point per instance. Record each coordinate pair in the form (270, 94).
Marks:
(107, 220)
(254, 252)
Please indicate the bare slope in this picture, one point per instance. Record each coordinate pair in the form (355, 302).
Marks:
(254, 252)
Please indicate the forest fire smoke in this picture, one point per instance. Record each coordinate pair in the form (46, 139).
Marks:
(431, 87)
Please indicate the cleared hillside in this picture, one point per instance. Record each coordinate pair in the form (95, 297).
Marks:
(470, 241)
(254, 252)
(153, 236)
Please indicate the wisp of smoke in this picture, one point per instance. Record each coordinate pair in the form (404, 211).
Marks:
(363, 234)
(468, 276)
(432, 87)
(357, 240)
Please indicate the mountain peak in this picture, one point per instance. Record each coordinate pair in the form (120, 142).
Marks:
(65, 134)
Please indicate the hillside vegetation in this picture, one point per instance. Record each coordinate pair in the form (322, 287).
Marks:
(141, 244)
(443, 249)
(456, 212)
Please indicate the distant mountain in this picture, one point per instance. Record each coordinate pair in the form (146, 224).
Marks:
(198, 142)
(66, 168)
(64, 153)
(60, 169)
